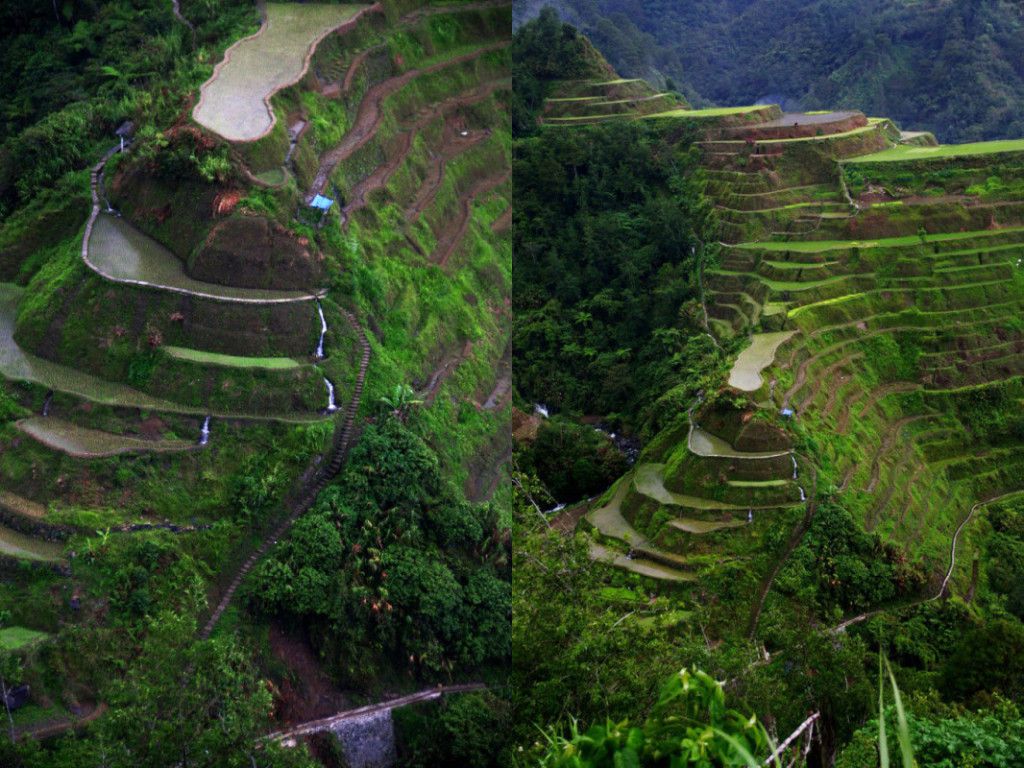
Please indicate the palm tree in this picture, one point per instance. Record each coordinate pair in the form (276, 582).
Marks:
(400, 401)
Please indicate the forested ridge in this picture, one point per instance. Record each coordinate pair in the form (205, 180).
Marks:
(951, 68)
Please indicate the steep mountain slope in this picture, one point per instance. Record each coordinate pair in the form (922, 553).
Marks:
(949, 68)
(188, 364)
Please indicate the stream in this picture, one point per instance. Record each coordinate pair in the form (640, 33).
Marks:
(204, 433)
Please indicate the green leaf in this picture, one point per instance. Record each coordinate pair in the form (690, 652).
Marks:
(883, 744)
(627, 758)
(902, 729)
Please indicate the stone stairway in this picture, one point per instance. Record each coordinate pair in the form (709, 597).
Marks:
(299, 505)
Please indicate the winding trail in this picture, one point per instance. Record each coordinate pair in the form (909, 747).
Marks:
(503, 222)
(371, 114)
(176, 10)
(842, 626)
(298, 505)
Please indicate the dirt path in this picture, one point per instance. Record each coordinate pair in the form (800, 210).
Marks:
(450, 238)
(176, 10)
(450, 149)
(503, 222)
(500, 394)
(441, 373)
(297, 506)
(877, 396)
(370, 114)
(326, 723)
(357, 62)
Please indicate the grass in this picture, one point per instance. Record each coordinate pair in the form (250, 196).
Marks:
(232, 102)
(230, 361)
(16, 638)
(906, 152)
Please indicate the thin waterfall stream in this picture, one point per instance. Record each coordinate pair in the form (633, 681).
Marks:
(319, 354)
(331, 405)
(204, 433)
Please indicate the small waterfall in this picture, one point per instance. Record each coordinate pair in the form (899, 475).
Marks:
(541, 410)
(750, 515)
(47, 401)
(331, 405)
(794, 465)
(204, 433)
(803, 496)
(323, 332)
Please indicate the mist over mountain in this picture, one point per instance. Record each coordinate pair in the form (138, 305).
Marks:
(953, 68)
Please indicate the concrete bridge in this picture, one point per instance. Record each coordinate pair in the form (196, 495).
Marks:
(367, 734)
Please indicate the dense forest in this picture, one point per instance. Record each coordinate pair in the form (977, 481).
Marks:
(950, 68)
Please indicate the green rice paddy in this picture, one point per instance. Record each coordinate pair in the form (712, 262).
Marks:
(233, 102)
(230, 361)
(85, 443)
(18, 365)
(16, 544)
(820, 246)
(704, 443)
(120, 252)
(908, 152)
(746, 371)
(16, 638)
(650, 481)
(17, 505)
(699, 114)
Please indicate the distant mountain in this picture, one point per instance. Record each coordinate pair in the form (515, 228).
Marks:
(953, 68)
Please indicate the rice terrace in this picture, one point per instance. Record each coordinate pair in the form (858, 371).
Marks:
(819, 373)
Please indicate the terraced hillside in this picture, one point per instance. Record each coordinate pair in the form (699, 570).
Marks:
(868, 283)
(206, 326)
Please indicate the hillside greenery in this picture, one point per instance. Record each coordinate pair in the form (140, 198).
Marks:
(606, 301)
(949, 68)
(790, 606)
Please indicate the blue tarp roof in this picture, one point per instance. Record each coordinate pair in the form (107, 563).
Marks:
(321, 202)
